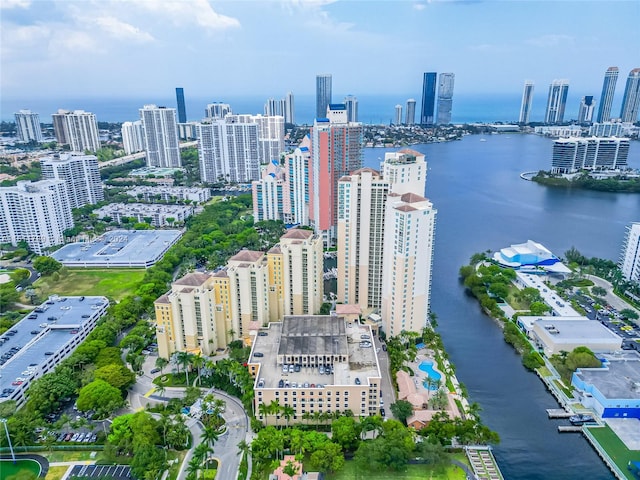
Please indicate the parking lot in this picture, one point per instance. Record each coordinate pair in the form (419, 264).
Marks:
(115, 472)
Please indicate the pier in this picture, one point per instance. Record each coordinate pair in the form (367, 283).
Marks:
(569, 429)
(558, 413)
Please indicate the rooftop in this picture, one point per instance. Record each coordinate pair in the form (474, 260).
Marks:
(298, 233)
(575, 331)
(119, 248)
(620, 379)
(315, 334)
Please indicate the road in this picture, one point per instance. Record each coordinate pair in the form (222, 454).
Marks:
(615, 301)
(236, 421)
(386, 386)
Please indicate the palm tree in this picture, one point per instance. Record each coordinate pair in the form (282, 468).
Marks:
(274, 409)
(210, 435)
(184, 359)
(161, 363)
(288, 412)
(198, 362)
(264, 410)
(244, 447)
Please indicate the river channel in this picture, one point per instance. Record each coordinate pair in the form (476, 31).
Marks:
(483, 204)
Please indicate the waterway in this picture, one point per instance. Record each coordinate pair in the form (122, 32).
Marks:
(483, 204)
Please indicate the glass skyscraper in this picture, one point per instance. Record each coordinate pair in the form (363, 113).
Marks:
(556, 101)
(606, 98)
(428, 98)
(323, 94)
(527, 100)
(445, 98)
(631, 99)
(410, 115)
(182, 111)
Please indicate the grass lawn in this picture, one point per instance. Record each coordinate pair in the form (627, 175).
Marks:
(66, 455)
(413, 472)
(114, 283)
(22, 467)
(617, 450)
(56, 473)
(175, 467)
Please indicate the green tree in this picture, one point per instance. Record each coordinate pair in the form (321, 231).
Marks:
(19, 275)
(46, 265)
(539, 308)
(629, 314)
(346, 432)
(328, 457)
(8, 296)
(101, 397)
(598, 291)
(117, 376)
(402, 410)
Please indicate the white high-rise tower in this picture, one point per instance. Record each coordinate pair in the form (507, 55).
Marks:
(28, 125)
(160, 136)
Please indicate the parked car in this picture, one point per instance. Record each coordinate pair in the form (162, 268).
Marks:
(154, 370)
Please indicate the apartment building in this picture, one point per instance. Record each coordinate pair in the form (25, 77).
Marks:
(80, 173)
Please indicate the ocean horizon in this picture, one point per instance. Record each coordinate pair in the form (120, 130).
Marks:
(372, 109)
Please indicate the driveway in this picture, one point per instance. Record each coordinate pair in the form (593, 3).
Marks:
(388, 392)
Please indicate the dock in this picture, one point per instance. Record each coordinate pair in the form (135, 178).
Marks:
(569, 429)
(558, 413)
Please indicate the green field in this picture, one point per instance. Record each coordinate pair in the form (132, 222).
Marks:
(616, 449)
(113, 283)
(413, 472)
(22, 469)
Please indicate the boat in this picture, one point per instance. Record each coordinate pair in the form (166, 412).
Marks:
(483, 139)
(581, 419)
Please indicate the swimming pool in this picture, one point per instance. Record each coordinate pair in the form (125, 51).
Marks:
(427, 367)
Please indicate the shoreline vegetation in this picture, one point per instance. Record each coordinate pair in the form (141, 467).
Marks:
(618, 184)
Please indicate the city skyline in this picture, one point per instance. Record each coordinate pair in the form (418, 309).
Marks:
(102, 39)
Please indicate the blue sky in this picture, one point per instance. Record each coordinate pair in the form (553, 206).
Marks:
(126, 48)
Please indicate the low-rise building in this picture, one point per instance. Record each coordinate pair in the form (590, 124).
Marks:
(315, 364)
(612, 391)
(43, 338)
(160, 215)
(552, 335)
(149, 194)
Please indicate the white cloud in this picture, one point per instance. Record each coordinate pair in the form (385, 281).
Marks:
(191, 12)
(552, 40)
(419, 6)
(120, 29)
(15, 3)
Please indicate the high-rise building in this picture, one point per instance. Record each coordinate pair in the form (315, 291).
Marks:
(556, 101)
(28, 125)
(228, 150)
(203, 312)
(160, 136)
(398, 115)
(271, 195)
(429, 82)
(608, 91)
(270, 136)
(336, 150)
(297, 166)
(407, 263)
(217, 110)
(445, 98)
(362, 198)
(631, 100)
(527, 100)
(410, 118)
(78, 129)
(630, 255)
(605, 129)
(182, 110)
(132, 137)
(587, 106)
(37, 213)
(81, 176)
(295, 272)
(573, 154)
(274, 107)
(351, 103)
(323, 94)
(289, 109)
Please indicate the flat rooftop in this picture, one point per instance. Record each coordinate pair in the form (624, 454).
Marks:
(119, 248)
(316, 335)
(576, 331)
(549, 296)
(47, 329)
(620, 380)
(332, 335)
